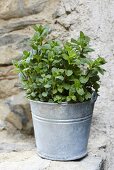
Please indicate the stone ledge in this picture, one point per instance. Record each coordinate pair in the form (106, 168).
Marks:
(88, 163)
(29, 160)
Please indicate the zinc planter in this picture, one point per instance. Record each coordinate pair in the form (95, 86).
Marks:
(60, 72)
(62, 130)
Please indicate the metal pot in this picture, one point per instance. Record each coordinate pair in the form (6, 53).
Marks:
(62, 130)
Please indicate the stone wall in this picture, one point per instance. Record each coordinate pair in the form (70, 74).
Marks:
(66, 18)
(16, 19)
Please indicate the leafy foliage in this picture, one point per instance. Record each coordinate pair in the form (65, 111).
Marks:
(58, 72)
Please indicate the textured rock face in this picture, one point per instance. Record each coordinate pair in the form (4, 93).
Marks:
(16, 110)
(20, 8)
(8, 80)
(66, 18)
(16, 17)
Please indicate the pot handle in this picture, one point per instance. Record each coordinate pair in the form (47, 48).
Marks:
(94, 97)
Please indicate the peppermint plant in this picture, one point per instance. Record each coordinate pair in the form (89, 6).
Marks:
(55, 71)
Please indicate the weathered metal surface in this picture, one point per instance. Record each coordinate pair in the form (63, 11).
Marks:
(62, 130)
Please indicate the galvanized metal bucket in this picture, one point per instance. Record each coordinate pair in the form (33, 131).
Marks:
(62, 130)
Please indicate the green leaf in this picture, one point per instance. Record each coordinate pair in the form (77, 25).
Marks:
(28, 60)
(74, 98)
(54, 70)
(69, 72)
(101, 70)
(44, 94)
(57, 49)
(50, 101)
(54, 91)
(60, 78)
(73, 40)
(43, 75)
(99, 61)
(77, 62)
(81, 99)
(57, 98)
(87, 50)
(77, 83)
(33, 94)
(82, 34)
(72, 90)
(96, 86)
(72, 53)
(66, 86)
(46, 46)
(26, 53)
(65, 56)
(88, 95)
(48, 76)
(83, 79)
(34, 85)
(47, 86)
(68, 98)
(80, 91)
(61, 70)
(36, 27)
(60, 89)
(45, 60)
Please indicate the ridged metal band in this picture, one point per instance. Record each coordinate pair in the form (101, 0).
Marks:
(62, 121)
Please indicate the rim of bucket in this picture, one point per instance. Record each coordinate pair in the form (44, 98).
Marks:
(92, 101)
(62, 103)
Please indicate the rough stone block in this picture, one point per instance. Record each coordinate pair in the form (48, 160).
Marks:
(16, 110)
(36, 163)
(14, 8)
